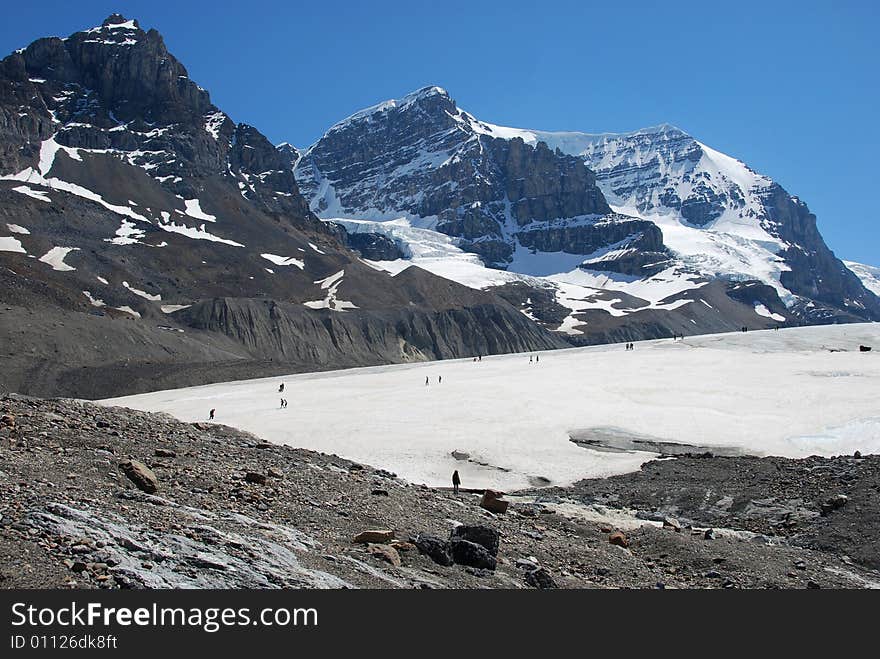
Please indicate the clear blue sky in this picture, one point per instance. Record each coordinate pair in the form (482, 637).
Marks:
(791, 88)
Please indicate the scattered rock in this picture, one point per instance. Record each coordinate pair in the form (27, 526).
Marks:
(165, 453)
(255, 478)
(379, 492)
(141, 475)
(834, 503)
(493, 502)
(374, 536)
(481, 535)
(709, 534)
(434, 548)
(465, 552)
(618, 538)
(672, 523)
(386, 553)
(274, 472)
(540, 578)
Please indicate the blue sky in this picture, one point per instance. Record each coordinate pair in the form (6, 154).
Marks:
(790, 88)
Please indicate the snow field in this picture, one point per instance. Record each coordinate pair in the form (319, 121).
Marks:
(780, 393)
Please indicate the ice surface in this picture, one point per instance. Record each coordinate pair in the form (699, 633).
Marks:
(758, 391)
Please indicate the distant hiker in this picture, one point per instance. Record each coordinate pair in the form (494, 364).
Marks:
(456, 481)
(537, 358)
(479, 358)
(439, 379)
(281, 388)
(426, 381)
(475, 359)
(211, 415)
(530, 359)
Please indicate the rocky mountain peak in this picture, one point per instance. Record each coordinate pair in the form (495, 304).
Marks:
(116, 20)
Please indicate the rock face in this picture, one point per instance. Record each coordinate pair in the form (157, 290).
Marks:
(422, 157)
(168, 235)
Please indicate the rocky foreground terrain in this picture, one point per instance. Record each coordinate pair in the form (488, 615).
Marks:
(94, 497)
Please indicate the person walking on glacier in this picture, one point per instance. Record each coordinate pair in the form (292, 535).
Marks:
(211, 415)
(456, 481)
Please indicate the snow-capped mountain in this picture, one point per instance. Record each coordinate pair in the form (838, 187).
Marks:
(160, 239)
(869, 275)
(653, 214)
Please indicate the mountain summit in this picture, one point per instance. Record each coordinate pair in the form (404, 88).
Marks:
(646, 214)
(166, 244)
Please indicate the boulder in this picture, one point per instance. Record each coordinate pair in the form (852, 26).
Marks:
(255, 478)
(540, 578)
(434, 548)
(672, 523)
(401, 545)
(7, 420)
(493, 502)
(274, 472)
(834, 503)
(482, 535)
(619, 539)
(376, 536)
(165, 453)
(465, 552)
(141, 475)
(386, 553)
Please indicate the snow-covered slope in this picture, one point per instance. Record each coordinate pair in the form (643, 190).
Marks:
(795, 392)
(869, 275)
(704, 214)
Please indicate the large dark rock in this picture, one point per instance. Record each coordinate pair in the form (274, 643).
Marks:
(471, 554)
(482, 535)
(434, 548)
